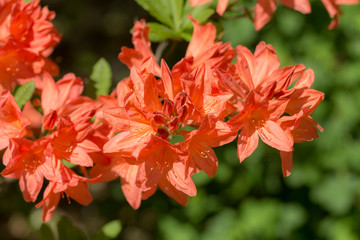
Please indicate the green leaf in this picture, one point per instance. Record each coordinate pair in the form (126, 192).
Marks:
(159, 32)
(99, 236)
(158, 10)
(201, 13)
(24, 93)
(176, 9)
(101, 75)
(46, 232)
(186, 36)
(177, 139)
(68, 231)
(172, 228)
(68, 164)
(112, 228)
(336, 193)
(190, 128)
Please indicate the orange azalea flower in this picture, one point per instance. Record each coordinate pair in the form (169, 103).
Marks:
(142, 51)
(258, 80)
(27, 26)
(63, 99)
(203, 90)
(55, 96)
(140, 120)
(34, 116)
(194, 3)
(111, 166)
(28, 161)
(333, 8)
(153, 114)
(220, 9)
(67, 121)
(18, 66)
(12, 121)
(303, 101)
(264, 9)
(204, 49)
(71, 185)
(300, 125)
(302, 128)
(27, 38)
(199, 144)
(258, 72)
(259, 119)
(162, 165)
(66, 146)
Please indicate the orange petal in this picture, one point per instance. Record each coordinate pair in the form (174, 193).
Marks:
(248, 141)
(263, 12)
(273, 135)
(286, 162)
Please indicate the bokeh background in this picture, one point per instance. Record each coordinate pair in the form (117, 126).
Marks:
(251, 200)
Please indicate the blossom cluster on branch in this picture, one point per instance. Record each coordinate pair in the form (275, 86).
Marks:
(264, 9)
(157, 128)
(27, 38)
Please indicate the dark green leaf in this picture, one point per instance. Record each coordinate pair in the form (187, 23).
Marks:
(190, 128)
(101, 75)
(201, 13)
(46, 232)
(99, 236)
(161, 32)
(24, 93)
(68, 231)
(158, 10)
(176, 10)
(68, 164)
(177, 139)
(186, 36)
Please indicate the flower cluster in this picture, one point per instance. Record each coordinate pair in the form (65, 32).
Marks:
(166, 122)
(264, 9)
(158, 127)
(57, 135)
(52, 130)
(27, 38)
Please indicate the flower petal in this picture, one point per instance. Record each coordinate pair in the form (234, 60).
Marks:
(248, 141)
(273, 135)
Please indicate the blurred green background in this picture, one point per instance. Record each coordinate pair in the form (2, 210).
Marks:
(319, 200)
